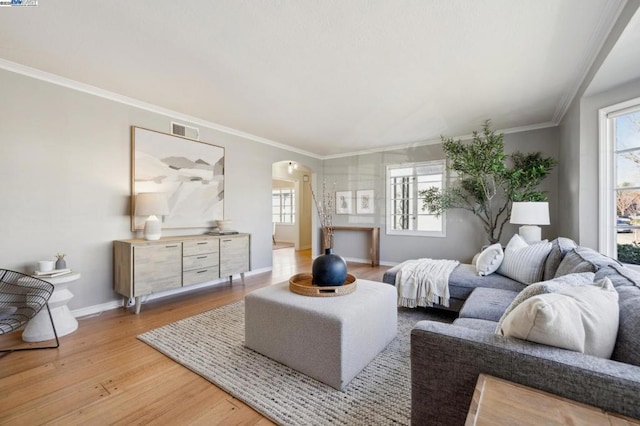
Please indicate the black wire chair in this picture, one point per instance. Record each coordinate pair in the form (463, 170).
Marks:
(21, 298)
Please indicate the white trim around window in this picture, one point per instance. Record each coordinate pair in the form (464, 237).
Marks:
(608, 215)
(404, 214)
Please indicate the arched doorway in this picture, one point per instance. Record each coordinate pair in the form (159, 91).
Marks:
(291, 205)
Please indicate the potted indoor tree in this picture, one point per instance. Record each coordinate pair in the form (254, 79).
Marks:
(486, 180)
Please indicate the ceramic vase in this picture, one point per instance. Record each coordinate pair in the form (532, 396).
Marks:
(61, 264)
(329, 269)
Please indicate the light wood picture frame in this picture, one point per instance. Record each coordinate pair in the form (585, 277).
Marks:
(344, 202)
(189, 172)
(365, 201)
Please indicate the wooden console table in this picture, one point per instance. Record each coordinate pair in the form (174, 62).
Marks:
(374, 249)
(500, 402)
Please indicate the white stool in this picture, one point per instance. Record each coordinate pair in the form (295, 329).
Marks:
(39, 328)
(328, 338)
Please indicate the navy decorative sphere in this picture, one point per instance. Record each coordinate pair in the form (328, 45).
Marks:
(329, 270)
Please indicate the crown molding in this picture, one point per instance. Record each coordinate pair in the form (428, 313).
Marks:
(115, 97)
(608, 20)
(96, 91)
(437, 141)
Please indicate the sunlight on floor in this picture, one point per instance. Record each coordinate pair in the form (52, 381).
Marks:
(287, 262)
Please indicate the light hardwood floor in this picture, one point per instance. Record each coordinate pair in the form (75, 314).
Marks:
(102, 374)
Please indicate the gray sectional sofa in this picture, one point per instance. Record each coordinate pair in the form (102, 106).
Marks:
(446, 359)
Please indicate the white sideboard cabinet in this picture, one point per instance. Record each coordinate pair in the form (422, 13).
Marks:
(143, 267)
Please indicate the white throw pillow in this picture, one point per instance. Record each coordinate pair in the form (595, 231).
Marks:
(489, 260)
(544, 287)
(582, 319)
(523, 262)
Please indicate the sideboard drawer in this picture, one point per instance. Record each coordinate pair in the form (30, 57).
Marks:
(200, 262)
(200, 275)
(192, 248)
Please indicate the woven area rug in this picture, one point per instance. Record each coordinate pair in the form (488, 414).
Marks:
(211, 345)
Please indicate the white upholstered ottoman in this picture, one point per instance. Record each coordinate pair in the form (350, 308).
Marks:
(328, 338)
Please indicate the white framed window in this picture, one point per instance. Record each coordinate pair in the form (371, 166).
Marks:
(405, 214)
(283, 205)
(619, 224)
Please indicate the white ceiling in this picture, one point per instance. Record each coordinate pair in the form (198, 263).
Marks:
(623, 62)
(326, 77)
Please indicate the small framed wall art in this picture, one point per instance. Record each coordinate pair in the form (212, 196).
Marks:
(344, 202)
(364, 201)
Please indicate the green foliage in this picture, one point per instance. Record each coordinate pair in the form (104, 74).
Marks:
(488, 179)
(629, 253)
(526, 173)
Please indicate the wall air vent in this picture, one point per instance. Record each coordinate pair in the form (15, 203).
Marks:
(186, 131)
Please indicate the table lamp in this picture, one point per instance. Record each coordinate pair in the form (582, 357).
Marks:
(530, 214)
(151, 204)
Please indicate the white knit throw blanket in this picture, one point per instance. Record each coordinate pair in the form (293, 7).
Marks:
(423, 282)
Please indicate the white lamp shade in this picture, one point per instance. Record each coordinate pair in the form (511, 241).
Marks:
(151, 203)
(530, 213)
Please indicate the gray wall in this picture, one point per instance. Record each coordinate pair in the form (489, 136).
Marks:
(589, 155)
(65, 170)
(569, 173)
(578, 182)
(464, 234)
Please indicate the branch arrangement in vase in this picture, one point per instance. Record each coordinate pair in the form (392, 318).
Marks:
(325, 213)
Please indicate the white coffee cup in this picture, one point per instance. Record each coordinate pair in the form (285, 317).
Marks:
(46, 265)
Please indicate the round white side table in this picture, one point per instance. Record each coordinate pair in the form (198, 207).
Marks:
(39, 328)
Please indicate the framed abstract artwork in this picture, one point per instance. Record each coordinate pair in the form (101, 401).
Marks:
(190, 173)
(344, 203)
(364, 201)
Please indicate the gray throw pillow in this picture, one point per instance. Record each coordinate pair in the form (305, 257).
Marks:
(559, 247)
(583, 259)
(550, 286)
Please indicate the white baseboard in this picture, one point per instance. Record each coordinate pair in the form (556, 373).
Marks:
(356, 260)
(97, 309)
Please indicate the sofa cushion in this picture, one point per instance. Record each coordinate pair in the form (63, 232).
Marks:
(544, 287)
(619, 275)
(559, 247)
(583, 259)
(627, 283)
(523, 262)
(627, 347)
(489, 260)
(487, 303)
(464, 279)
(582, 319)
(476, 324)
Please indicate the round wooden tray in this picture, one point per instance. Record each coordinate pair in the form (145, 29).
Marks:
(301, 284)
